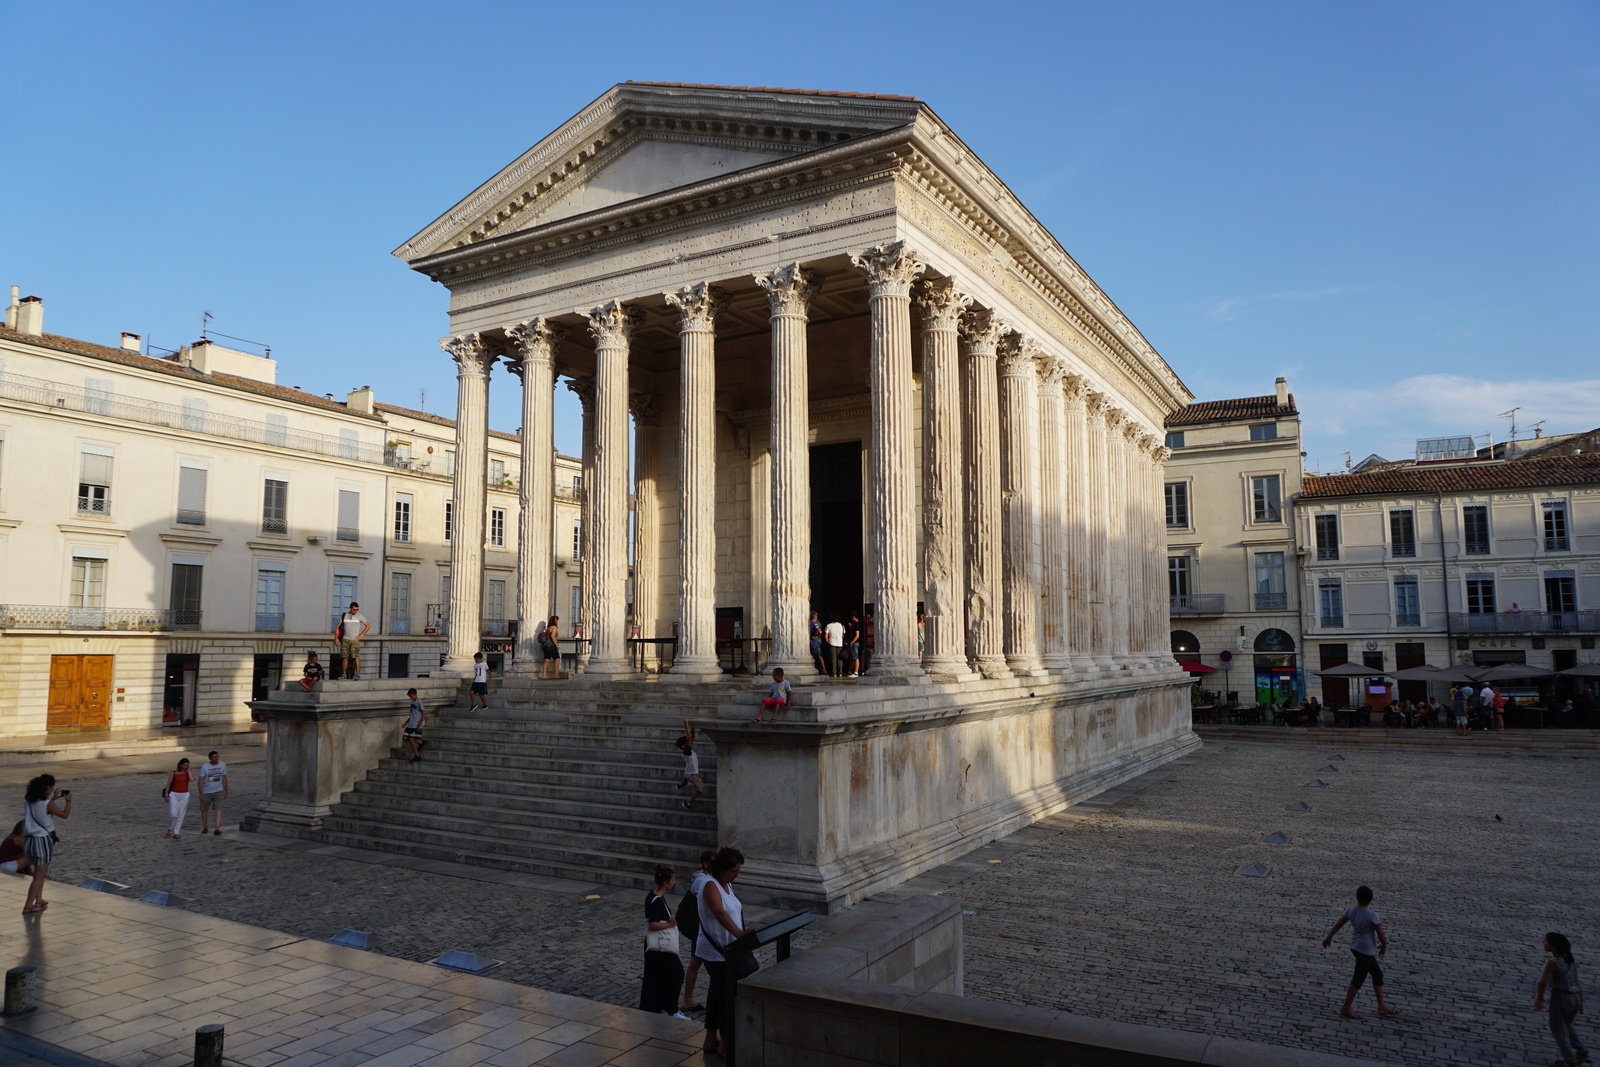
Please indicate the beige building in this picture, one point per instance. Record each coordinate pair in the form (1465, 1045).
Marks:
(1232, 566)
(176, 533)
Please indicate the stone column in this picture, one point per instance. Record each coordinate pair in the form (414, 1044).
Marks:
(1138, 547)
(1075, 500)
(1117, 534)
(1161, 627)
(646, 411)
(789, 292)
(583, 389)
(533, 360)
(612, 325)
(1098, 512)
(890, 269)
(944, 582)
(697, 481)
(1018, 401)
(1055, 586)
(469, 496)
(980, 401)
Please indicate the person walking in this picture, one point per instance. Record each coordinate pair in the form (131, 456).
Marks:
(42, 804)
(721, 921)
(691, 766)
(663, 970)
(550, 647)
(1486, 705)
(834, 647)
(852, 646)
(213, 790)
(1458, 697)
(1365, 926)
(478, 692)
(176, 794)
(416, 715)
(1498, 704)
(779, 693)
(689, 927)
(814, 636)
(347, 635)
(1560, 977)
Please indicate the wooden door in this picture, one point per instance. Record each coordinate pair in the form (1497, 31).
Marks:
(80, 693)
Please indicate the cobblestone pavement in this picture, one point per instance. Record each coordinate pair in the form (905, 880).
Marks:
(1126, 908)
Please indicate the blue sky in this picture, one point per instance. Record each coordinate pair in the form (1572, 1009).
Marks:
(1394, 205)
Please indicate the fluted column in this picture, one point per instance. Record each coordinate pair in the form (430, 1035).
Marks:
(1138, 547)
(1099, 515)
(789, 291)
(944, 580)
(646, 411)
(980, 399)
(1018, 406)
(1161, 629)
(612, 325)
(890, 269)
(1055, 586)
(469, 496)
(1117, 533)
(583, 389)
(533, 361)
(697, 487)
(1075, 498)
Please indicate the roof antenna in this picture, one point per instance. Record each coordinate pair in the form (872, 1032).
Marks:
(422, 400)
(1512, 415)
(205, 322)
(1347, 461)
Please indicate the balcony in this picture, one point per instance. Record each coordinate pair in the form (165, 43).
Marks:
(1526, 622)
(1199, 604)
(55, 617)
(269, 623)
(1407, 620)
(1272, 601)
(1332, 622)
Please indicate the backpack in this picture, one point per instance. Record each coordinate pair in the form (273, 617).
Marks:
(688, 916)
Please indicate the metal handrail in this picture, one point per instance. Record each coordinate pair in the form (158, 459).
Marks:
(1526, 622)
(62, 617)
(1198, 604)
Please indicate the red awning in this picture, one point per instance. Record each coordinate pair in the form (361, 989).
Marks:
(1195, 668)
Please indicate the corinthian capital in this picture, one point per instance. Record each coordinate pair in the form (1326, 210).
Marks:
(698, 305)
(1161, 453)
(583, 388)
(533, 341)
(890, 268)
(612, 324)
(981, 331)
(1075, 388)
(941, 303)
(790, 289)
(1051, 370)
(1016, 355)
(1131, 432)
(645, 408)
(472, 355)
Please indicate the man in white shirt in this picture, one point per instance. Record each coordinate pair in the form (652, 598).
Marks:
(833, 634)
(347, 634)
(478, 692)
(213, 791)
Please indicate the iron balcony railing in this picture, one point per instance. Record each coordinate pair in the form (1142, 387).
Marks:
(269, 622)
(1333, 621)
(1272, 601)
(1198, 604)
(1407, 620)
(60, 617)
(1526, 622)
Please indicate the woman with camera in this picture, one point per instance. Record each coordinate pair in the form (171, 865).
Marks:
(42, 805)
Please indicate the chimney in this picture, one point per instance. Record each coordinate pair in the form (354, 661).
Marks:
(361, 400)
(130, 341)
(11, 309)
(1283, 392)
(1538, 432)
(30, 316)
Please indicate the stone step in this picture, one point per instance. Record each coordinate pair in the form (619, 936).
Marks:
(570, 747)
(545, 826)
(470, 770)
(473, 765)
(667, 726)
(664, 806)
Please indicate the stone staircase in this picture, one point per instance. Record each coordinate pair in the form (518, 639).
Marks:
(560, 781)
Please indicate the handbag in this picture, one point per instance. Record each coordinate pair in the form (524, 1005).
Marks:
(661, 940)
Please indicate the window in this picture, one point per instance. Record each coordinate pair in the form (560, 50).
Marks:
(449, 463)
(1480, 594)
(88, 582)
(97, 396)
(497, 527)
(194, 414)
(402, 518)
(494, 608)
(349, 444)
(1266, 431)
(1327, 529)
(349, 527)
(94, 480)
(399, 603)
(1175, 440)
(497, 471)
(1271, 593)
(184, 600)
(1555, 526)
(1475, 529)
(1560, 594)
(1402, 532)
(402, 454)
(1330, 599)
(577, 538)
(1407, 605)
(449, 519)
(275, 506)
(1266, 503)
(1178, 574)
(278, 430)
(576, 611)
(269, 597)
(191, 493)
(1178, 504)
(344, 593)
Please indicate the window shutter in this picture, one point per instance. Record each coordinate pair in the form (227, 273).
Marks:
(96, 469)
(192, 496)
(349, 515)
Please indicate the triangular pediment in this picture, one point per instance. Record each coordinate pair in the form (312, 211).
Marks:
(641, 139)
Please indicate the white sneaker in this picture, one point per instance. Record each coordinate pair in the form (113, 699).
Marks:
(680, 1015)
(850, 676)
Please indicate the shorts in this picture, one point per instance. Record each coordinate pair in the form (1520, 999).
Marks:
(481, 688)
(853, 651)
(697, 782)
(412, 731)
(1365, 965)
(9, 865)
(552, 651)
(37, 849)
(211, 801)
(1461, 719)
(350, 649)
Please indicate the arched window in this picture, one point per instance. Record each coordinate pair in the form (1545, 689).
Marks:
(1185, 643)
(1274, 641)
(1277, 674)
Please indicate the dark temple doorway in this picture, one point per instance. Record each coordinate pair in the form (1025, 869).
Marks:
(836, 546)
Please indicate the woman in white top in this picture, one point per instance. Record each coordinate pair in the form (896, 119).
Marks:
(721, 921)
(42, 805)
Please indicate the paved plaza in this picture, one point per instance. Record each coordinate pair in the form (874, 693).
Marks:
(1125, 908)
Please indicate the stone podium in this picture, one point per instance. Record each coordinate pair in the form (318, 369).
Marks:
(319, 744)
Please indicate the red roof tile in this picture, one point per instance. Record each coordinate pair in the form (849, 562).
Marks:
(772, 89)
(1517, 474)
(1244, 407)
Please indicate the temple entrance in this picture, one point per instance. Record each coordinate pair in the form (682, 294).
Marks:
(836, 546)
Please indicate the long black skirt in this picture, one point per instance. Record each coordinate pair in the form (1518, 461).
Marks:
(663, 982)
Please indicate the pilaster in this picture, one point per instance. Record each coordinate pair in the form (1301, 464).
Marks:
(612, 325)
(1075, 496)
(980, 335)
(469, 496)
(532, 360)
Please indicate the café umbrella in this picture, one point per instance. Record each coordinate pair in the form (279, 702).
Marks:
(1353, 670)
(1504, 671)
(1582, 670)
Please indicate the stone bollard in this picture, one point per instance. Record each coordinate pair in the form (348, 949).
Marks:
(19, 990)
(208, 1046)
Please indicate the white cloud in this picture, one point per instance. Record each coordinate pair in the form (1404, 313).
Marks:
(1229, 309)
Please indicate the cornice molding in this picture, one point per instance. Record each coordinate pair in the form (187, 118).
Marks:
(267, 546)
